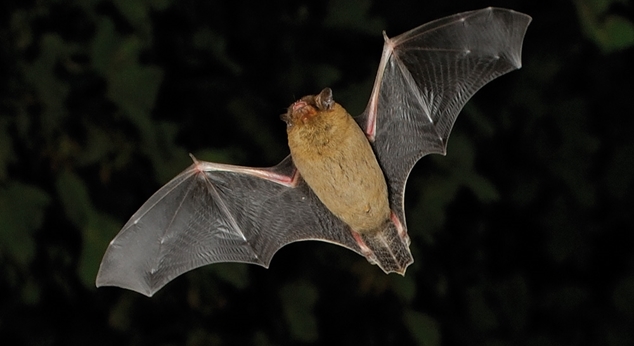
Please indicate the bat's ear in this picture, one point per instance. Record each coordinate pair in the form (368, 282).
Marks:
(324, 100)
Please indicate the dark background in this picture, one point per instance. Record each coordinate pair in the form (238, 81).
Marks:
(521, 234)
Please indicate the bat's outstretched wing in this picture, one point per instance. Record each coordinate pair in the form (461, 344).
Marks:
(217, 213)
(425, 77)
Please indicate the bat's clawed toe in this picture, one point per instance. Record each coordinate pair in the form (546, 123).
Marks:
(365, 250)
(389, 248)
(400, 230)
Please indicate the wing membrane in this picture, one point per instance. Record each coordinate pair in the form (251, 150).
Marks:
(426, 76)
(208, 216)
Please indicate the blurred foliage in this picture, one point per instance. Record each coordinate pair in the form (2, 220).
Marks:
(521, 234)
(603, 23)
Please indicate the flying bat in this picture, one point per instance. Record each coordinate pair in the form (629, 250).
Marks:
(344, 180)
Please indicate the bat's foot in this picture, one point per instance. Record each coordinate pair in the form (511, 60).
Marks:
(367, 252)
(388, 248)
(400, 230)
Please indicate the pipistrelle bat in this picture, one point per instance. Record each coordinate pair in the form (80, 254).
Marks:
(344, 180)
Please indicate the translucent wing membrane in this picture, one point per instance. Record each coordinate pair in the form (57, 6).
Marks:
(426, 76)
(216, 213)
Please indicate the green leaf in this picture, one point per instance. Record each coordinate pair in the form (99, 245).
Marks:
(619, 33)
(435, 194)
(96, 235)
(404, 287)
(41, 75)
(236, 274)
(512, 296)
(30, 292)
(423, 328)
(325, 75)
(261, 339)
(6, 149)
(482, 188)
(619, 175)
(353, 15)
(159, 5)
(136, 12)
(134, 88)
(104, 46)
(611, 32)
(99, 143)
(22, 209)
(74, 197)
(120, 318)
(97, 228)
(482, 315)
(251, 122)
(623, 296)
(211, 41)
(298, 300)
(202, 337)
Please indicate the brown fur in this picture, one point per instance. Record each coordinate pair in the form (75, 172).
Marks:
(335, 158)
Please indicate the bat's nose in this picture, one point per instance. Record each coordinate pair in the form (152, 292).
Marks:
(299, 105)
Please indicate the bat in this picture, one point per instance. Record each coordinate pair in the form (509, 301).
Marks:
(344, 180)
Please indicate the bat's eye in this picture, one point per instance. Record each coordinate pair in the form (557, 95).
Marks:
(324, 100)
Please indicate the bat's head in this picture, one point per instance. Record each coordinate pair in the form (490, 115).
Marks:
(308, 107)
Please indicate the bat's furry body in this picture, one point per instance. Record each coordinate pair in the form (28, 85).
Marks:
(333, 155)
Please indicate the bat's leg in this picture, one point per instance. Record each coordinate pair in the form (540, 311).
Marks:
(399, 228)
(365, 250)
(387, 248)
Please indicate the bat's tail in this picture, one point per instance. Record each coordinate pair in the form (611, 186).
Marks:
(388, 248)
